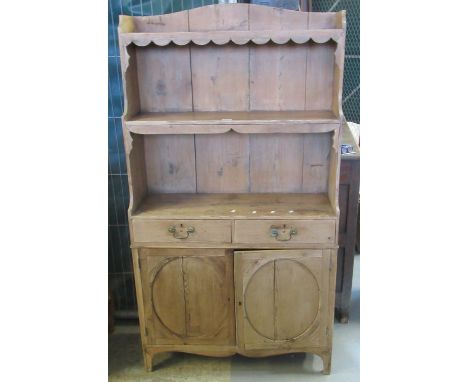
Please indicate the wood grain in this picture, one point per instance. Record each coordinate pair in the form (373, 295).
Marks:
(316, 163)
(232, 123)
(308, 231)
(206, 231)
(276, 163)
(270, 281)
(183, 308)
(170, 163)
(222, 163)
(220, 81)
(170, 87)
(236, 206)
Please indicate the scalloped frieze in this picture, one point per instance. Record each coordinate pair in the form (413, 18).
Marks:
(237, 37)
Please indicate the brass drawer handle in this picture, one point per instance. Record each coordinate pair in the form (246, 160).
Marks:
(282, 233)
(181, 231)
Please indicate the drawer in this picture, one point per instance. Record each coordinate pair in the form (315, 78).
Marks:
(284, 231)
(175, 231)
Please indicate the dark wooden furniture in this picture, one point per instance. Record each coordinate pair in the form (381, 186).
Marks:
(349, 200)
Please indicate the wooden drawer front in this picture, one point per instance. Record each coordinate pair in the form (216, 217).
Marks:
(288, 231)
(204, 231)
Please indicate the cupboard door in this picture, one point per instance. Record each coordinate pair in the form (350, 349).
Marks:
(282, 298)
(188, 296)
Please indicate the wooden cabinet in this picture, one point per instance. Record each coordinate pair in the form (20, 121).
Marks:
(188, 296)
(232, 129)
(282, 299)
(348, 225)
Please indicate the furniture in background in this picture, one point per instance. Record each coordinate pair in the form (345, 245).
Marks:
(349, 200)
(232, 126)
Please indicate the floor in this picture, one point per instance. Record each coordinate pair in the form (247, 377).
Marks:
(126, 363)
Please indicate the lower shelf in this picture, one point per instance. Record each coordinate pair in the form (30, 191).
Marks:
(236, 206)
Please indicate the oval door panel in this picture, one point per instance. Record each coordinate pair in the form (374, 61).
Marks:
(282, 300)
(188, 296)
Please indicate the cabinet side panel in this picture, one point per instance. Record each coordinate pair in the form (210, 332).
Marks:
(276, 162)
(277, 77)
(135, 156)
(316, 162)
(222, 163)
(130, 81)
(164, 77)
(334, 173)
(170, 163)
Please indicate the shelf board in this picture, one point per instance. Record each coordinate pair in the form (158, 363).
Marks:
(239, 121)
(237, 37)
(236, 206)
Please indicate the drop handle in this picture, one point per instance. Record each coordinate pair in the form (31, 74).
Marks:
(283, 233)
(181, 231)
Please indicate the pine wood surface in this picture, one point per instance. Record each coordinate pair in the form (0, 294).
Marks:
(232, 126)
(236, 206)
(272, 284)
(235, 117)
(238, 163)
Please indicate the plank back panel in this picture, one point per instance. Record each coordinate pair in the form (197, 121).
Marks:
(222, 163)
(277, 77)
(170, 163)
(320, 76)
(270, 18)
(277, 72)
(316, 162)
(217, 18)
(164, 78)
(219, 73)
(220, 77)
(237, 163)
(276, 162)
(171, 22)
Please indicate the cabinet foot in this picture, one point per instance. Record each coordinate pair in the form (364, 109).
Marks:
(148, 359)
(326, 359)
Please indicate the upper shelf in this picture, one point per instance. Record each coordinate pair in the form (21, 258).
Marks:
(270, 67)
(237, 37)
(204, 122)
